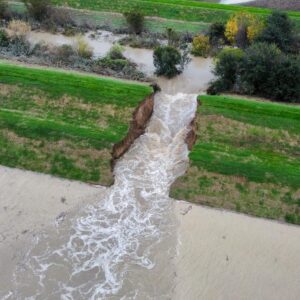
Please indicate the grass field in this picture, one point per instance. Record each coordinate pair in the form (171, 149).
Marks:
(62, 123)
(247, 158)
(117, 21)
(191, 11)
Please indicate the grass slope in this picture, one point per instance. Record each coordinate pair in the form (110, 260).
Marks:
(247, 158)
(192, 11)
(116, 21)
(63, 123)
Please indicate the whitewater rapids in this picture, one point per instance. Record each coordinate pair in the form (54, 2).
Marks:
(122, 247)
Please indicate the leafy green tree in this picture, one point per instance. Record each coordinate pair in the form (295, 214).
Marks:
(227, 69)
(262, 70)
(268, 72)
(216, 33)
(279, 30)
(259, 67)
(166, 61)
(135, 21)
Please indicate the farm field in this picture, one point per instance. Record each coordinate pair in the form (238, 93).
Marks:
(246, 158)
(192, 11)
(63, 123)
(278, 4)
(114, 20)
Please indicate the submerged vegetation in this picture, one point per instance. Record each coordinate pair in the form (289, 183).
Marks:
(246, 158)
(49, 125)
(14, 44)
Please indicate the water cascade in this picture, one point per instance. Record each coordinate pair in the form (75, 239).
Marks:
(122, 246)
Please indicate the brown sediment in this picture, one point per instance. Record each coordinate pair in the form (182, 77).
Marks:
(141, 116)
(191, 137)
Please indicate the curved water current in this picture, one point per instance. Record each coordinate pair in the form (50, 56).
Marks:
(121, 247)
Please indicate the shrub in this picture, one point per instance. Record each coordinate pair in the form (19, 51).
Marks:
(117, 67)
(18, 29)
(114, 64)
(135, 21)
(279, 31)
(135, 41)
(173, 37)
(60, 17)
(292, 218)
(83, 49)
(166, 61)
(244, 26)
(201, 46)
(3, 8)
(19, 47)
(38, 9)
(65, 53)
(259, 66)
(116, 52)
(261, 70)
(227, 68)
(216, 34)
(4, 40)
(267, 72)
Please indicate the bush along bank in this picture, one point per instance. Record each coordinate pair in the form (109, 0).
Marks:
(264, 59)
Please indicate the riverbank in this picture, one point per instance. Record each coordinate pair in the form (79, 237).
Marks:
(220, 254)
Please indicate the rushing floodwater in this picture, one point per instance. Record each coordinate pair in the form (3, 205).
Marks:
(121, 247)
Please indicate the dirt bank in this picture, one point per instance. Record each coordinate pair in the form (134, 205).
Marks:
(140, 119)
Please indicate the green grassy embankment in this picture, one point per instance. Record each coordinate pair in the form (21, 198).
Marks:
(116, 21)
(247, 158)
(189, 11)
(62, 123)
(196, 15)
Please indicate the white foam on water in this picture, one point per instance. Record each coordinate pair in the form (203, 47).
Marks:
(96, 257)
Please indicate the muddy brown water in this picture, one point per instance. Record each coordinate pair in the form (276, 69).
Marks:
(194, 79)
(123, 245)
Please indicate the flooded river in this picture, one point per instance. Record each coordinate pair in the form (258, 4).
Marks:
(194, 79)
